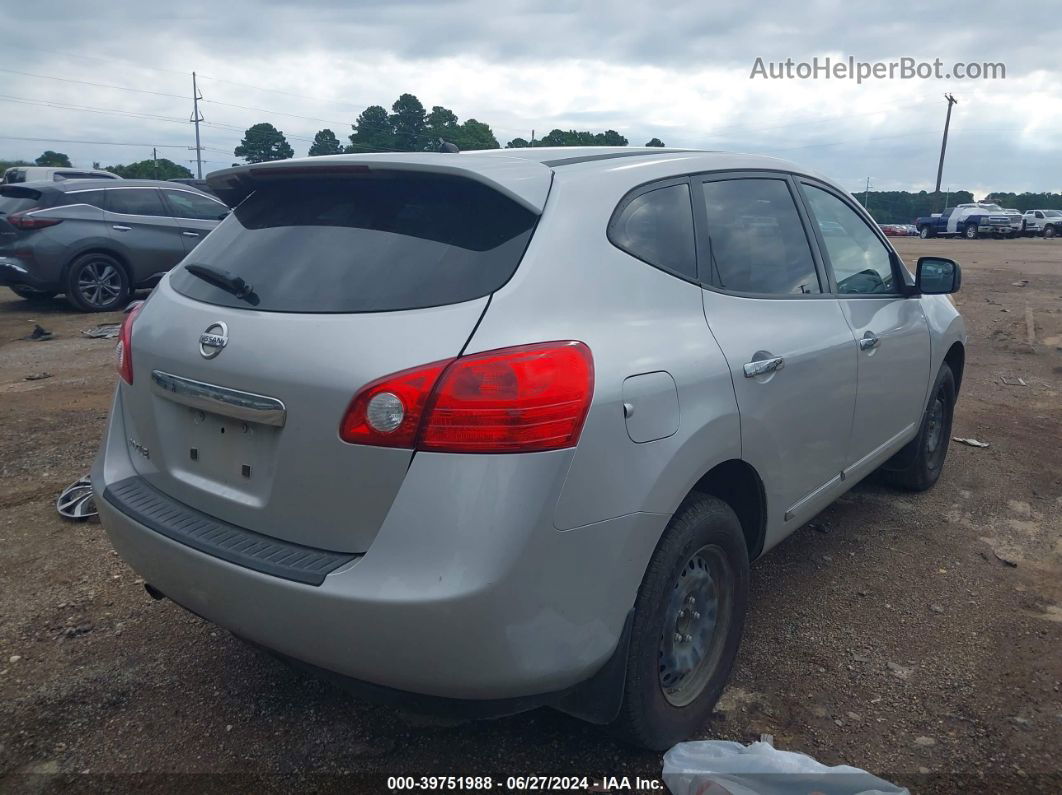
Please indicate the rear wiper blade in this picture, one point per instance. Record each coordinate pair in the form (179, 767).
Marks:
(226, 280)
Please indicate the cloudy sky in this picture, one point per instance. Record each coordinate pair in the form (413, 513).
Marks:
(679, 71)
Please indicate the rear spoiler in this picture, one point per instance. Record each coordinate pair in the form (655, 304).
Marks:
(526, 182)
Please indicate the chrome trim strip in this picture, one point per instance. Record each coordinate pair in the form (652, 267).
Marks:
(219, 399)
(796, 507)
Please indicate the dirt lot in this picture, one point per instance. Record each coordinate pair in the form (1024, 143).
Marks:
(919, 637)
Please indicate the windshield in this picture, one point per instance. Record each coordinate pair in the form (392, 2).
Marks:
(1052, 213)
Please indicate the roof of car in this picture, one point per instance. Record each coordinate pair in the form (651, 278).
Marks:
(91, 184)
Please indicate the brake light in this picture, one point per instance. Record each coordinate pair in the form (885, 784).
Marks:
(522, 399)
(123, 350)
(23, 221)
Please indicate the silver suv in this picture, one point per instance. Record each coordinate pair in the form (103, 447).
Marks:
(96, 240)
(504, 429)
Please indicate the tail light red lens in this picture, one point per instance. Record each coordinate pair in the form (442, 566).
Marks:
(23, 221)
(523, 399)
(123, 351)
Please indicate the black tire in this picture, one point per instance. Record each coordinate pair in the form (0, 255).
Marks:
(704, 536)
(923, 457)
(31, 295)
(925, 232)
(970, 232)
(97, 282)
(1050, 231)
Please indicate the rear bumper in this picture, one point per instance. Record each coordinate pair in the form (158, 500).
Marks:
(16, 273)
(467, 592)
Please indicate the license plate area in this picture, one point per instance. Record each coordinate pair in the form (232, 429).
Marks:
(227, 451)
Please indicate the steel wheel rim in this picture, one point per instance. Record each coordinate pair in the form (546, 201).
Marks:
(99, 282)
(695, 625)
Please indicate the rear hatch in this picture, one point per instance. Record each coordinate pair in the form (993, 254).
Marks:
(355, 275)
(15, 199)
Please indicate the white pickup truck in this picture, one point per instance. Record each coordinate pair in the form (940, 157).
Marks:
(1042, 222)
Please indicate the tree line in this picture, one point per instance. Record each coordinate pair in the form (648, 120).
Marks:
(409, 127)
(903, 207)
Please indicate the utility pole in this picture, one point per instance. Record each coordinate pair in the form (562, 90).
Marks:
(155, 160)
(196, 118)
(532, 138)
(944, 142)
(866, 196)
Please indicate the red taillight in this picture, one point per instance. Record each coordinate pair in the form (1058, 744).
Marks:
(387, 412)
(23, 221)
(523, 399)
(123, 351)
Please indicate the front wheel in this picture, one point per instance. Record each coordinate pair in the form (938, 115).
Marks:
(1049, 231)
(31, 295)
(97, 283)
(970, 232)
(923, 232)
(688, 621)
(924, 455)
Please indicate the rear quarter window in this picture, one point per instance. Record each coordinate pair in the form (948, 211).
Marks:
(656, 226)
(368, 244)
(15, 200)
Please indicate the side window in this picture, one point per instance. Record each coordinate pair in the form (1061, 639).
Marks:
(657, 226)
(135, 201)
(757, 241)
(93, 197)
(861, 262)
(185, 204)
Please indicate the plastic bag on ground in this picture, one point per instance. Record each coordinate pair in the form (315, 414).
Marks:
(720, 767)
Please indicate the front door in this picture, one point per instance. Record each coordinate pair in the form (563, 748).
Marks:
(890, 328)
(790, 351)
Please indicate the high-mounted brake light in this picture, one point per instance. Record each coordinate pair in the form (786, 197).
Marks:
(123, 350)
(23, 221)
(522, 399)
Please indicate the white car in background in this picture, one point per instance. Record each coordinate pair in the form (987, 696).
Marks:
(1042, 222)
(17, 174)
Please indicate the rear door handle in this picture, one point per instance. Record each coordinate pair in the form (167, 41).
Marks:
(869, 342)
(121, 228)
(190, 234)
(763, 366)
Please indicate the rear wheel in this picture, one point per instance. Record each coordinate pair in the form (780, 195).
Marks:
(927, 451)
(688, 620)
(34, 296)
(97, 283)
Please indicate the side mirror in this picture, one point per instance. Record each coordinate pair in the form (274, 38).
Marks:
(937, 276)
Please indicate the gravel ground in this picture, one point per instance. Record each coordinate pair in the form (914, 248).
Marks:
(915, 636)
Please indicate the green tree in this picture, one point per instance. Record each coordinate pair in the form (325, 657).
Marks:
(518, 143)
(263, 142)
(408, 120)
(558, 137)
(325, 143)
(146, 169)
(372, 131)
(474, 134)
(6, 164)
(442, 123)
(654, 142)
(50, 158)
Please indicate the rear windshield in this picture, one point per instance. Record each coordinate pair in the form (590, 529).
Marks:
(369, 244)
(14, 200)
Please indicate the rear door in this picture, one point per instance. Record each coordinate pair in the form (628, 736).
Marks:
(791, 354)
(352, 279)
(142, 230)
(195, 214)
(890, 328)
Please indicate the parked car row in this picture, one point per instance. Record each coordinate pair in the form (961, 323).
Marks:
(96, 240)
(977, 219)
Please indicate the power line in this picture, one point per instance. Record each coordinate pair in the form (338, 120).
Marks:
(90, 83)
(96, 143)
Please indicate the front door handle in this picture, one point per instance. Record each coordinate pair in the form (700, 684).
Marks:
(869, 342)
(121, 228)
(190, 234)
(763, 366)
